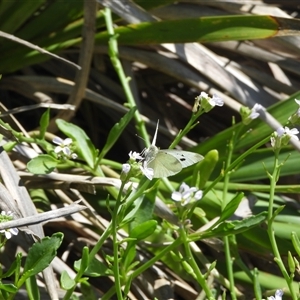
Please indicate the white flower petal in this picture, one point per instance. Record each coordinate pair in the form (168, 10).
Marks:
(67, 151)
(176, 196)
(57, 140)
(8, 234)
(58, 149)
(14, 231)
(280, 131)
(203, 95)
(126, 168)
(217, 100)
(67, 141)
(198, 195)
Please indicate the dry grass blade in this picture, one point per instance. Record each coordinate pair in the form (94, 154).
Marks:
(37, 48)
(85, 58)
(44, 217)
(26, 207)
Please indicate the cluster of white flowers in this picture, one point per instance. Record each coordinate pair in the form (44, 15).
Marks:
(4, 217)
(206, 102)
(133, 157)
(186, 194)
(282, 136)
(63, 148)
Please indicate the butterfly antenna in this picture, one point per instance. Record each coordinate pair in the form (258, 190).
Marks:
(155, 134)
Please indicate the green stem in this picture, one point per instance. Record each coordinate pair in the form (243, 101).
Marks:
(114, 57)
(271, 233)
(228, 256)
(189, 126)
(191, 261)
(114, 226)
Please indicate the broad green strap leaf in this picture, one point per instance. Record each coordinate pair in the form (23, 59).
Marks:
(204, 29)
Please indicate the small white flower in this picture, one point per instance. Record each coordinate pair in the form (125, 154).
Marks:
(135, 155)
(203, 95)
(62, 145)
(10, 231)
(216, 101)
(148, 172)
(255, 111)
(292, 133)
(278, 295)
(186, 194)
(126, 168)
(74, 155)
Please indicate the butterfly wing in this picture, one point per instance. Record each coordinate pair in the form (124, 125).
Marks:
(185, 158)
(164, 164)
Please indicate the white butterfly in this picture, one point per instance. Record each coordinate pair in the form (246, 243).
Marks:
(168, 162)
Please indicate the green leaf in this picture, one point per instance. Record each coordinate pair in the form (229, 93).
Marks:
(129, 255)
(85, 148)
(207, 166)
(235, 227)
(231, 207)
(143, 230)
(32, 288)
(14, 268)
(66, 282)
(145, 208)
(81, 265)
(116, 131)
(96, 268)
(41, 254)
(204, 29)
(42, 164)
(8, 287)
(44, 122)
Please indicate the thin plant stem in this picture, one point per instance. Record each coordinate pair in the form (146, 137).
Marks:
(114, 57)
(191, 261)
(114, 225)
(271, 233)
(228, 257)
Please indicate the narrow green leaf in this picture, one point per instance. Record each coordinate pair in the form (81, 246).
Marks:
(44, 122)
(235, 227)
(17, 13)
(116, 131)
(42, 164)
(14, 268)
(230, 208)
(32, 288)
(8, 287)
(85, 147)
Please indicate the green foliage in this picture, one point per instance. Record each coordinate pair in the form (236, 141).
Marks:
(42, 164)
(85, 147)
(41, 254)
(235, 160)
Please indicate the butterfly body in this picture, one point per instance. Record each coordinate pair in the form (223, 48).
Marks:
(168, 162)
